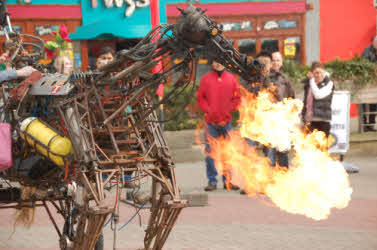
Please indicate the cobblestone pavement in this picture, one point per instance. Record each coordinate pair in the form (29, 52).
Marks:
(232, 221)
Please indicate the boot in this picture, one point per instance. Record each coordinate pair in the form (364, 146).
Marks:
(210, 187)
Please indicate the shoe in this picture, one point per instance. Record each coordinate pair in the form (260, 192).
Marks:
(210, 187)
(369, 129)
(231, 186)
(242, 191)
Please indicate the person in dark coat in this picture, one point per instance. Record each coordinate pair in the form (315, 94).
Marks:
(370, 53)
(284, 90)
(280, 79)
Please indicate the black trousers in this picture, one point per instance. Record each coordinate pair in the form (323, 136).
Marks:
(276, 156)
(372, 117)
(321, 126)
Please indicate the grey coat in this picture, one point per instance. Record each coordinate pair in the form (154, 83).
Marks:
(7, 75)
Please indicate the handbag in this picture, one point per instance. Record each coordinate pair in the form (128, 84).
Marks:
(6, 160)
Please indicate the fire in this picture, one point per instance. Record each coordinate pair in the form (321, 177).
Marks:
(315, 182)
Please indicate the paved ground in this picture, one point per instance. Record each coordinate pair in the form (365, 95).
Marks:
(232, 221)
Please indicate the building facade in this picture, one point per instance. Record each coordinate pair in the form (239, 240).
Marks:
(304, 30)
(41, 17)
(346, 28)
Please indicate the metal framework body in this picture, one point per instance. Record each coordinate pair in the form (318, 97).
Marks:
(109, 117)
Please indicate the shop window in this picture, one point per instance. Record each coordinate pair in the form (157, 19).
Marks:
(44, 30)
(236, 26)
(204, 62)
(202, 69)
(281, 24)
(126, 44)
(292, 48)
(247, 46)
(15, 28)
(270, 44)
(284, 24)
(203, 65)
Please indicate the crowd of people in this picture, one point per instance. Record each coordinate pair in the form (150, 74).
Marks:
(219, 95)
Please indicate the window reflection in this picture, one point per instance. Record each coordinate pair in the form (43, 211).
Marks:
(16, 28)
(247, 46)
(284, 24)
(204, 62)
(270, 44)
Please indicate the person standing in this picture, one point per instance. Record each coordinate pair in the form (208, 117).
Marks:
(268, 78)
(218, 96)
(318, 93)
(370, 53)
(264, 83)
(284, 90)
(105, 56)
(282, 81)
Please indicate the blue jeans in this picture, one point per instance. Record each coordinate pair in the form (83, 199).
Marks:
(214, 131)
(273, 154)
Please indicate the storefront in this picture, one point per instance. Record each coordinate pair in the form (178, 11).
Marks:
(257, 26)
(252, 25)
(303, 30)
(273, 26)
(42, 17)
(110, 23)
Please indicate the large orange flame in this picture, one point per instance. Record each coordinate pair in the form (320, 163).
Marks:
(314, 183)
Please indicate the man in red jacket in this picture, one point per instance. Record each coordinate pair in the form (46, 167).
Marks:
(218, 96)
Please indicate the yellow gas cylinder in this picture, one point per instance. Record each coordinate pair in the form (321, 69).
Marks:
(46, 141)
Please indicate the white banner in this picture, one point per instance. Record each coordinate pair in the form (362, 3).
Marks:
(340, 122)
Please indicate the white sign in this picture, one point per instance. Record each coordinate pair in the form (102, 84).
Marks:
(245, 25)
(340, 122)
(131, 5)
(271, 25)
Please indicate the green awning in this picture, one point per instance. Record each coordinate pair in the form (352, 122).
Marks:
(106, 29)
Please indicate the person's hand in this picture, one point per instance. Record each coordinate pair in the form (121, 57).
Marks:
(25, 71)
(310, 75)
